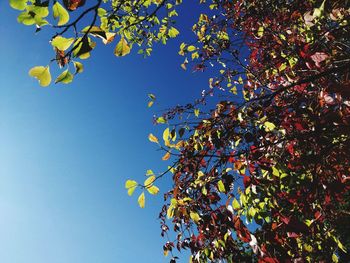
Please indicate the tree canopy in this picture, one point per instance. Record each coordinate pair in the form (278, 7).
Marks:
(264, 175)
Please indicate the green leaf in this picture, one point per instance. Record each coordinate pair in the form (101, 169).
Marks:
(26, 19)
(42, 74)
(131, 185)
(122, 48)
(141, 200)
(153, 190)
(221, 187)
(18, 4)
(65, 77)
(38, 11)
(79, 68)
(61, 13)
(62, 43)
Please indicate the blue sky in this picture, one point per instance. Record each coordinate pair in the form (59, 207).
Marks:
(66, 151)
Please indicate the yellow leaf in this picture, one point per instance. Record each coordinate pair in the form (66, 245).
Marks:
(131, 185)
(109, 38)
(153, 190)
(170, 211)
(61, 13)
(260, 31)
(42, 74)
(335, 258)
(233, 90)
(269, 126)
(275, 171)
(221, 186)
(122, 48)
(166, 156)
(149, 172)
(153, 138)
(194, 216)
(62, 43)
(141, 200)
(149, 181)
(166, 134)
(196, 112)
(191, 48)
(235, 204)
(150, 103)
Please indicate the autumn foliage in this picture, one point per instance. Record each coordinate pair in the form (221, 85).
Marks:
(264, 176)
(267, 173)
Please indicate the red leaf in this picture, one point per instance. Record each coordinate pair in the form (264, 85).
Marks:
(241, 230)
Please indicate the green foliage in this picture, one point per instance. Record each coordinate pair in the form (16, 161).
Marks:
(134, 23)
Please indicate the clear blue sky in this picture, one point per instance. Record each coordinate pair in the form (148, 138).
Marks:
(66, 151)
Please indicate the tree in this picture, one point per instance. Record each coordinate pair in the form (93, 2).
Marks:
(263, 176)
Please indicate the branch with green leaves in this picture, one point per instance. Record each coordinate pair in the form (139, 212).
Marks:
(130, 23)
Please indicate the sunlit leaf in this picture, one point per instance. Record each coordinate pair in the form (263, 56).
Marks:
(173, 32)
(149, 181)
(269, 126)
(153, 138)
(65, 77)
(141, 200)
(42, 74)
(166, 134)
(18, 4)
(194, 216)
(131, 185)
(260, 31)
(235, 204)
(166, 156)
(150, 103)
(122, 48)
(61, 13)
(62, 43)
(79, 68)
(153, 190)
(221, 187)
(149, 172)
